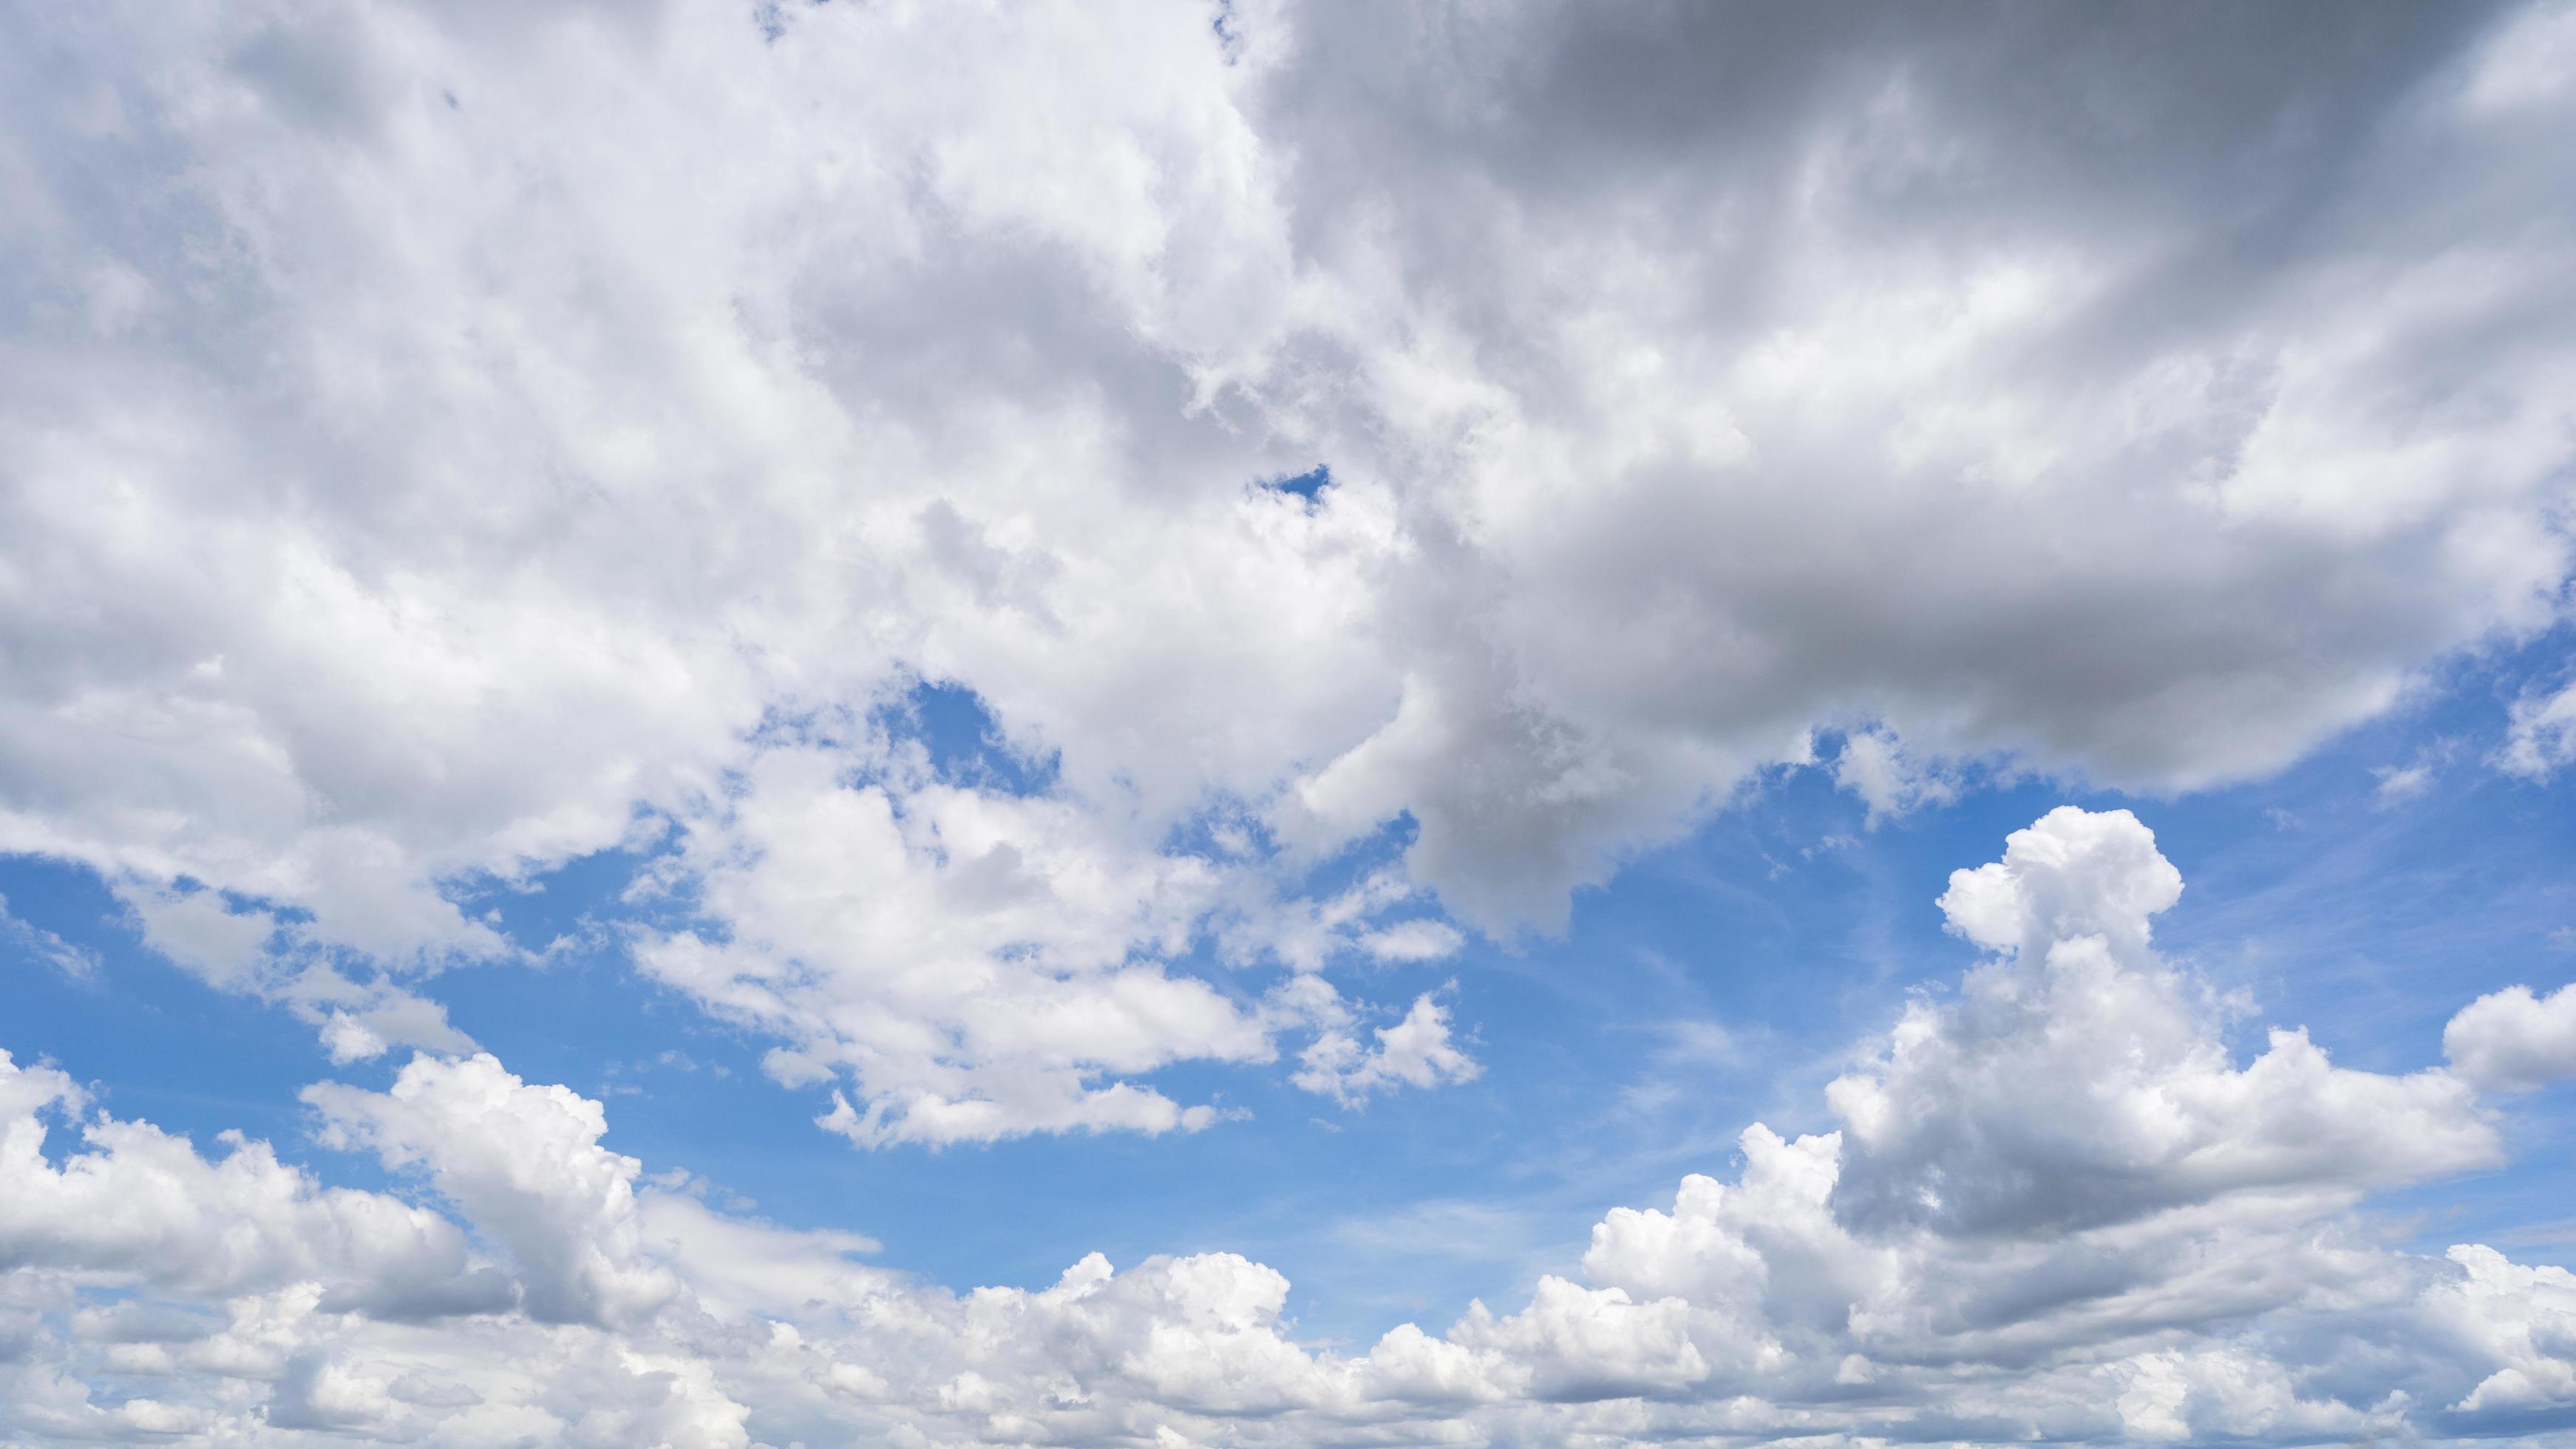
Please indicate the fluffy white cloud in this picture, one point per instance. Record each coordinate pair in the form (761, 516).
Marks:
(1969, 1258)
(141, 1205)
(524, 1164)
(2511, 1039)
(973, 959)
(1959, 1121)
(2525, 1318)
(1415, 1051)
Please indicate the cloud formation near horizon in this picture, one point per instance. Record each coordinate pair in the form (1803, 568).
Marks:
(2053, 1207)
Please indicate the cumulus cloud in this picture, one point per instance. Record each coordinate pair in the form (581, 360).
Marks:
(443, 442)
(2511, 1040)
(974, 960)
(1415, 1051)
(524, 1164)
(141, 1205)
(2157, 1246)
(1952, 1121)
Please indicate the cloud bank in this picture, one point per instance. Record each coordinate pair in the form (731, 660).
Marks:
(2056, 1205)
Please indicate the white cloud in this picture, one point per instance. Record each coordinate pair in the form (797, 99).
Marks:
(448, 441)
(2511, 1040)
(981, 964)
(1416, 1051)
(1573, 1343)
(2540, 735)
(524, 1164)
(975, 961)
(2525, 1318)
(2076, 995)
(1873, 765)
(139, 1204)
(2399, 785)
(1412, 941)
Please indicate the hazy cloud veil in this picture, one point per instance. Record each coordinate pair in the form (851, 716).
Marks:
(443, 442)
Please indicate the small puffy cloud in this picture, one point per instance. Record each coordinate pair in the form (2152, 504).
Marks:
(1413, 941)
(201, 931)
(975, 962)
(525, 1165)
(346, 1040)
(2511, 1040)
(1416, 1051)
(1874, 765)
(2070, 876)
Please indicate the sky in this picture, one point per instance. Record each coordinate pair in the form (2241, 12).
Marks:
(1287, 722)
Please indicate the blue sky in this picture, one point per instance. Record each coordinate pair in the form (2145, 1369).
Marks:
(1285, 722)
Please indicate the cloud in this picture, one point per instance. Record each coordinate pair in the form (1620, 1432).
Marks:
(140, 1205)
(448, 442)
(1950, 1122)
(2540, 735)
(2159, 1245)
(1872, 765)
(2513, 1040)
(2523, 1316)
(2397, 786)
(36, 943)
(2052, 393)
(975, 961)
(1416, 1051)
(524, 1164)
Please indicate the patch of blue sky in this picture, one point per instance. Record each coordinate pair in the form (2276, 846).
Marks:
(967, 746)
(147, 1038)
(1304, 485)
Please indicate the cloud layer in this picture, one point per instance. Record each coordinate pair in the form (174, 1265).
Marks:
(2055, 1206)
(1362, 473)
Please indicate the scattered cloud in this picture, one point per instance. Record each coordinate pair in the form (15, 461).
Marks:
(1374, 472)
(2069, 1116)
(2513, 1040)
